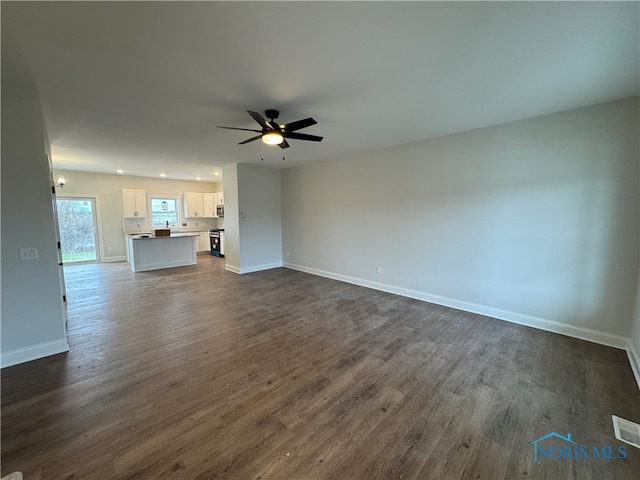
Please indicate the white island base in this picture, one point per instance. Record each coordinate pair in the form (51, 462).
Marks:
(154, 253)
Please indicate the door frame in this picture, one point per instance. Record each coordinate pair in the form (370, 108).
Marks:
(97, 217)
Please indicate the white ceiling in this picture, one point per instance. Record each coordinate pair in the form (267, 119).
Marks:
(140, 85)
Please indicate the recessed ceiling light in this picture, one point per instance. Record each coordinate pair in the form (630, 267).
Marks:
(120, 170)
(197, 178)
(163, 174)
(216, 173)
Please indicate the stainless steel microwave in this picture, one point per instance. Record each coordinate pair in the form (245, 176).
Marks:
(220, 210)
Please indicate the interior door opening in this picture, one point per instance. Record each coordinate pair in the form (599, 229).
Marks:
(78, 229)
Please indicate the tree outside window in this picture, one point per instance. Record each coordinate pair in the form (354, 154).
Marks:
(77, 230)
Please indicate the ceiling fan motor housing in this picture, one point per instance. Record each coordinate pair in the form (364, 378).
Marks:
(272, 114)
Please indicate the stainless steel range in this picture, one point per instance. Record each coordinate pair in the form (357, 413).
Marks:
(216, 236)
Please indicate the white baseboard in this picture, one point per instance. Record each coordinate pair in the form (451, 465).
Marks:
(255, 268)
(120, 258)
(231, 268)
(634, 360)
(582, 333)
(34, 352)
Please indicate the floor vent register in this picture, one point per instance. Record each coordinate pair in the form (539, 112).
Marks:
(626, 431)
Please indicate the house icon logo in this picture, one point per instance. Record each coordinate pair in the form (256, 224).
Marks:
(564, 447)
(566, 439)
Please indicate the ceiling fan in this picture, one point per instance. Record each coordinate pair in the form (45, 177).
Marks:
(274, 134)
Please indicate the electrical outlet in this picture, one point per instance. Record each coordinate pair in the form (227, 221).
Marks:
(378, 269)
(287, 253)
(28, 254)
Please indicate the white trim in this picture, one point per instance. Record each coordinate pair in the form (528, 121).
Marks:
(256, 268)
(99, 232)
(621, 425)
(634, 360)
(582, 333)
(119, 258)
(97, 218)
(33, 352)
(231, 268)
(179, 207)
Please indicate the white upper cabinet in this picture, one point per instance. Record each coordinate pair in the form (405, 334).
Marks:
(193, 205)
(209, 202)
(134, 203)
(200, 204)
(219, 198)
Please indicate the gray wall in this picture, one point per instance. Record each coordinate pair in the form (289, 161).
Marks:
(260, 217)
(533, 221)
(253, 226)
(634, 341)
(33, 317)
(231, 218)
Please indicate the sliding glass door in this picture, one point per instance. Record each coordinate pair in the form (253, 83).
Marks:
(78, 229)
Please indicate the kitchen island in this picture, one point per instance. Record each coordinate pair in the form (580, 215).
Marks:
(148, 252)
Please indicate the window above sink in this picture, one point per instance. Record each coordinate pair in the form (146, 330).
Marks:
(164, 209)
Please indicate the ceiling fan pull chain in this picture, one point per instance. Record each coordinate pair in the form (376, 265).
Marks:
(261, 152)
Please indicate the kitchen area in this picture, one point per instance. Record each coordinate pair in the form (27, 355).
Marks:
(152, 223)
(165, 231)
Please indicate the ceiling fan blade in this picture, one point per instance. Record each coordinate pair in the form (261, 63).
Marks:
(302, 136)
(258, 118)
(250, 139)
(284, 144)
(297, 125)
(243, 129)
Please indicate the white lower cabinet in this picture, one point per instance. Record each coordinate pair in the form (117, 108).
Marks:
(154, 253)
(205, 242)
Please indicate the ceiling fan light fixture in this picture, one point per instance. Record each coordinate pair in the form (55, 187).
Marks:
(273, 133)
(272, 138)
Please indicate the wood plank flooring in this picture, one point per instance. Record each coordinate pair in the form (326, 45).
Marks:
(198, 373)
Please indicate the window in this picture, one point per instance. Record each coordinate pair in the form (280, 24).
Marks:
(78, 229)
(163, 210)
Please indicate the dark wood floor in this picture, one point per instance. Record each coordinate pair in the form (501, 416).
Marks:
(198, 373)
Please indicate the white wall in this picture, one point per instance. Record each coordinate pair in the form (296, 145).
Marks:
(231, 218)
(533, 221)
(108, 189)
(33, 317)
(253, 226)
(260, 217)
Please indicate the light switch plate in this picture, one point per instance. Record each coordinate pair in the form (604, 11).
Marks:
(28, 254)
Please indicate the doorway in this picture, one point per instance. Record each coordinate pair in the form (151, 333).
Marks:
(78, 229)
